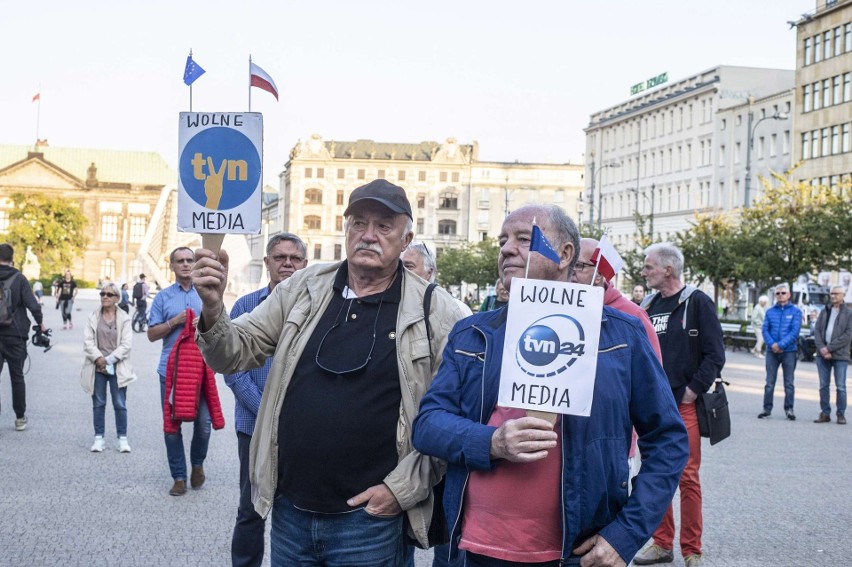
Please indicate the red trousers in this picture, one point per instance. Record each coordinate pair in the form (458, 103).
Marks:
(691, 519)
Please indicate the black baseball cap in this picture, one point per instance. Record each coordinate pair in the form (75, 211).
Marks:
(390, 195)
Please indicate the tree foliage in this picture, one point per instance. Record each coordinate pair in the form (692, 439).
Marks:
(53, 227)
(709, 251)
(634, 257)
(472, 263)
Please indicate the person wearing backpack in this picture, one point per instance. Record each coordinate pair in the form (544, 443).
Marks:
(15, 298)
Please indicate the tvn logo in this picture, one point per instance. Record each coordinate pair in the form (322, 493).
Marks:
(550, 346)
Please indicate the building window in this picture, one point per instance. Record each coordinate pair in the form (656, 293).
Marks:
(737, 147)
(340, 197)
(309, 172)
(313, 196)
(447, 227)
(826, 148)
(317, 251)
(448, 201)
(835, 139)
(817, 48)
(838, 44)
(835, 90)
(786, 148)
(338, 223)
(817, 96)
(847, 37)
(138, 226)
(108, 269)
(773, 145)
(806, 98)
(313, 222)
(455, 177)
(362, 174)
(761, 148)
(442, 177)
(827, 44)
(109, 228)
(826, 92)
(400, 175)
(721, 155)
(421, 200)
(806, 145)
(847, 93)
(380, 174)
(338, 252)
(421, 176)
(420, 226)
(739, 120)
(723, 124)
(845, 143)
(808, 53)
(814, 143)
(341, 173)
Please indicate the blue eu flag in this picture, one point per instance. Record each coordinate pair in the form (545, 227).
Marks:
(193, 71)
(540, 244)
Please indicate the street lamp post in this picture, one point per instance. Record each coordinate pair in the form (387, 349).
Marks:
(600, 194)
(752, 126)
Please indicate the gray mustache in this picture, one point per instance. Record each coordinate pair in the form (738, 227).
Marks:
(371, 247)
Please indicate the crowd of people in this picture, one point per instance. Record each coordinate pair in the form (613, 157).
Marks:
(366, 414)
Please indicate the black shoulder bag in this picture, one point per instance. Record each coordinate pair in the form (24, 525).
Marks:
(714, 417)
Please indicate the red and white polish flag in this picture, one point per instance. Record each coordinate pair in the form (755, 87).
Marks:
(262, 80)
(607, 259)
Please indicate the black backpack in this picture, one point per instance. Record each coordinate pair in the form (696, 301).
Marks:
(6, 311)
(137, 290)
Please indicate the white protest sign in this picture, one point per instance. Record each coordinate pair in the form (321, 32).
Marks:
(220, 172)
(550, 354)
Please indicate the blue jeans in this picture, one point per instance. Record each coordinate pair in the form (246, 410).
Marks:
(787, 362)
(824, 369)
(353, 539)
(200, 439)
(247, 541)
(119, 404)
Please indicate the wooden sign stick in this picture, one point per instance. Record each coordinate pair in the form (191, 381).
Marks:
(545, 415)
(212, 242)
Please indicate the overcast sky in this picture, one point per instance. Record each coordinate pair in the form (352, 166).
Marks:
(521, 78)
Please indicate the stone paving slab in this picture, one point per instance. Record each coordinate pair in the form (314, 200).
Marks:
(775, 493)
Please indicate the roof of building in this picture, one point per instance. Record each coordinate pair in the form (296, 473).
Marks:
(368, 149)
(113, 166)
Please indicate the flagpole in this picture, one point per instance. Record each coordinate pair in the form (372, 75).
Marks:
(249, 83)
(38, 113)
(527, 271)
(190, 85)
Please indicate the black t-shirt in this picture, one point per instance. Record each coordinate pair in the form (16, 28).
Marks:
(660, 311)
(337, 431)
(66, 289)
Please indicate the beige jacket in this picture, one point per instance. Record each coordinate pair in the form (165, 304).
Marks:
(287, 318)
(123, 369)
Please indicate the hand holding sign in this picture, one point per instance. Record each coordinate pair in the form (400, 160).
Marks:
(523, 440)
(210, 278)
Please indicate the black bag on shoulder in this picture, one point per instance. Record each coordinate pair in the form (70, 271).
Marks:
(714, 417)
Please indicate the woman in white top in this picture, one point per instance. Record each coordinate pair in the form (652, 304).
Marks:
(106, 341)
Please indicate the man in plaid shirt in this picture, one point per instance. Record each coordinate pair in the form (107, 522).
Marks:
(285, 253)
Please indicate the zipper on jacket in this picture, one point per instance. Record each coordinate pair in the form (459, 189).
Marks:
(480, 356)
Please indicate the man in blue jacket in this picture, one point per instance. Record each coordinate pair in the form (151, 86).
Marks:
(519, 490)
(781, 334)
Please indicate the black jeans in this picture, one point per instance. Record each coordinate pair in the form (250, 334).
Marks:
(247, 542)
(13, 351)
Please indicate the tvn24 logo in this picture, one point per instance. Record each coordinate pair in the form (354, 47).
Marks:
(550, 346)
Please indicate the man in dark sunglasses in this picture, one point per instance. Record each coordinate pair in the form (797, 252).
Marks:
(352, 356)
(781, 327)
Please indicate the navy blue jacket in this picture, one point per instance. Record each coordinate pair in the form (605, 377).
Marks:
(782, 326)
(631, 390)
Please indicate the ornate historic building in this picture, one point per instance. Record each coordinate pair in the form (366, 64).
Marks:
(455, 197)
(126, 196)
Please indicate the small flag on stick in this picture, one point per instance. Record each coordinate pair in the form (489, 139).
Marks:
(36, 97)
(261, 79)
(192, 71)
(540, 244)
(606, 259)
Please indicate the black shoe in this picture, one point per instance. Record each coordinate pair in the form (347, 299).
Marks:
(823, 418)
(790, 415)
(763, 414)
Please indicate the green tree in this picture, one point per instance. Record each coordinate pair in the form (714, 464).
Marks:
(474, 263)
(52, 226)
(634, 257)
(793, 229)
(590, 232)
(709, 250)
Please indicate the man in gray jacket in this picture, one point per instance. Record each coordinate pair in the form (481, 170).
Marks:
(833, 336)
(353, 354)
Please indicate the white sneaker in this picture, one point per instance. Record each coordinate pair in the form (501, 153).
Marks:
(98, 445)
(123, 446)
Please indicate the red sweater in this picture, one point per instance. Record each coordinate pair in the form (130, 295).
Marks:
(187, 379)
